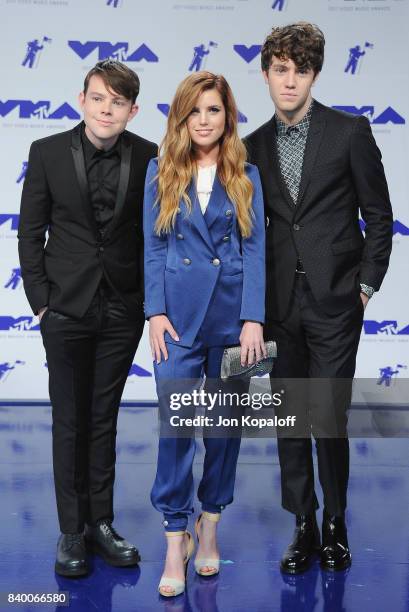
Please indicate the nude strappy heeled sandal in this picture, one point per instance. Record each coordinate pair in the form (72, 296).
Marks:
(178, 586)
(202, 562)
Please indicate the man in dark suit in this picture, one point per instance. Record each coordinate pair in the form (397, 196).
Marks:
(85, 187)
(319, 168)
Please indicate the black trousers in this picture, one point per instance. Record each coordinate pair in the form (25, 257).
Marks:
(88, 362)
(316, 346)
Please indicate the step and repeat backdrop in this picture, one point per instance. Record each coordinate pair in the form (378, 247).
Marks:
(47, 47)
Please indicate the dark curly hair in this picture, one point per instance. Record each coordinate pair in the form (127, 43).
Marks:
(301, 42)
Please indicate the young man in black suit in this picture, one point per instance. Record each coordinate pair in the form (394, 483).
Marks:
(319, 169)
(85, 187)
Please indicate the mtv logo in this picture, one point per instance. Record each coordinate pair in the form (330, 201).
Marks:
(118, 51)
(247, 53)
(389, 115)
(137, 370)
(387, 328)
(19, 324)
(164, 109)
(7, 217)
(39, 110)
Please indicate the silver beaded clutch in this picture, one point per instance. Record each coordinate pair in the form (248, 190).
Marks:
(232, 368)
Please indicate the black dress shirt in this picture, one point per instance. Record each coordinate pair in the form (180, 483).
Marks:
(102, 168)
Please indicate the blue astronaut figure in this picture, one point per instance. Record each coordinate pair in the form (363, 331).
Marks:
(199, 53)
(278, 5)
(23, 172)
(14, 280)
(7, 367)
(355, 54)
(33, 47)
(113, 3)
(386, 376)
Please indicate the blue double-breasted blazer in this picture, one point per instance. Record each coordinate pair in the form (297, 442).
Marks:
(203, 275)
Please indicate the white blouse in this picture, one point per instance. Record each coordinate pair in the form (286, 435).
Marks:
(205, 180)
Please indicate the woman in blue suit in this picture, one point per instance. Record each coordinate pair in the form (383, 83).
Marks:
(204, 290)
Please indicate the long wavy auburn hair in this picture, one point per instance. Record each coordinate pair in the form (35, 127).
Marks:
(177, 163)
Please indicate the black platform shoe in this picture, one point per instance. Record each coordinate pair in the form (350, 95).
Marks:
(305, 546)
(103, 540)
(335, 554)
(71, 558)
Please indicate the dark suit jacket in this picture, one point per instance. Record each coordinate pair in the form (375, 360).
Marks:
(65, 272)
(342, 175)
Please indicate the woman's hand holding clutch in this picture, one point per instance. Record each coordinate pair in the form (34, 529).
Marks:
(158, 325)
(252, 343)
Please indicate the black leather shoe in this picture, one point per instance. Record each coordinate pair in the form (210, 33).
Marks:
(104, 541)
(303, 549)
(335, 554)
(71, 555)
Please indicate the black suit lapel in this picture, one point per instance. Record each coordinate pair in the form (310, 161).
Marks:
(314, 138)
(283, 185)
(126, 155)
(79, 165)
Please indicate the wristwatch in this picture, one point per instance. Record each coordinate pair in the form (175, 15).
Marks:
(369, 291)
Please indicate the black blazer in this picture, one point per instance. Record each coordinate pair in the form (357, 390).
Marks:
(342, 175)
(65, 271)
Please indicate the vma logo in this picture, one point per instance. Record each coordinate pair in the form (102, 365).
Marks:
(385, 374)
(199, 54)
(20, 324)
(117, 51)
(247, 53)
(164, 109)
(15, 281)
(385, 328)
(398, 228)
(355, 57)
(23, 171)
(33, 52)
(6, 368)
(389, 115)
(37, 110)
(10, 218)
(279, 5)
(136, 370)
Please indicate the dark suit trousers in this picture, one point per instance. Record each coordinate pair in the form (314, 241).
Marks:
(322, 348)
(88, 361)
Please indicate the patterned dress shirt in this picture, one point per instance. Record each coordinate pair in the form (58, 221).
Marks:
(291, 141)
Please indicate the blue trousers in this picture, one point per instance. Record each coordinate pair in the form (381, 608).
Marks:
(172, 492)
